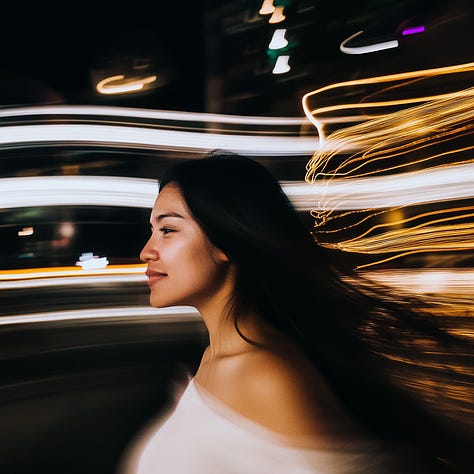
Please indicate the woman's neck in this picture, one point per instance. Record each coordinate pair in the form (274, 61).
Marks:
(230, 335)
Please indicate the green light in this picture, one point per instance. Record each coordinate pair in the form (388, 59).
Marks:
(282, 3)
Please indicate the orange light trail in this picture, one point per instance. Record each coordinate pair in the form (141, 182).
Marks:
(401, 125)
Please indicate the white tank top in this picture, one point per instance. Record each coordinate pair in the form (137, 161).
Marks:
(204, 436)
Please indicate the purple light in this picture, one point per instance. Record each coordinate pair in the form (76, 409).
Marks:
(412, 31)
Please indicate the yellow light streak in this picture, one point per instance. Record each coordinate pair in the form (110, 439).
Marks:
(53, 272)
(315, 114)
(389, 137)
(448, 281)
(403, 230)
(119, 85)
(400, 133)
(439, 374)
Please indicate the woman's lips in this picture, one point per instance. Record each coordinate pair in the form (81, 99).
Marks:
(154, 277)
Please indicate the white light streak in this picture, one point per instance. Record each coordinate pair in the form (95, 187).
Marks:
(404, 189)
(86, 110)
(415, 280)
(77, 190)
(370, 48)
(418, 187)
(456, 281)
(71, 281)
(124, 136)
(158, 315)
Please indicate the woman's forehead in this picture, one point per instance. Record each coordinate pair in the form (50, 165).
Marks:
(170, 200)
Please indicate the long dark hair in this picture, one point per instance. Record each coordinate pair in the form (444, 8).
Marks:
(296, 287)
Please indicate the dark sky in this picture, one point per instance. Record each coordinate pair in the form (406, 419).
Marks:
(56, 49)
(52, 52)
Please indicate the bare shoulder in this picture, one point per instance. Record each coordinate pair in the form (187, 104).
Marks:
(283, 391)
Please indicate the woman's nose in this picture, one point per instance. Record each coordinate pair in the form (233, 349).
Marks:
(148, 253)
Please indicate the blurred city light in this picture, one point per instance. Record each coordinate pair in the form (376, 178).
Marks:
(119, 85)
(403, 137)
(278, 40)
(95, 111)
(277, 16)
(159, 315)
(26, 231)
(126, 136)
(413, 30)
(281, 65)
(369, 48)
(267, 7)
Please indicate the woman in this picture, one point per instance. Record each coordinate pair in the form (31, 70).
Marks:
(286, 384)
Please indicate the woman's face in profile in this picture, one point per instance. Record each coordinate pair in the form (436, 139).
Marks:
(183, 267)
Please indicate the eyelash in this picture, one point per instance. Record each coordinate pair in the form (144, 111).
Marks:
(166, 230)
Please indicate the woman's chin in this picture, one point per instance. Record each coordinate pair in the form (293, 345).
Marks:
(157, 302)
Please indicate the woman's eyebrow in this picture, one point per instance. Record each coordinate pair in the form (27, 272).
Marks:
(168, 214)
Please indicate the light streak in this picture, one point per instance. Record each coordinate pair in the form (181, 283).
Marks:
(411, 188)
(59, 272)
(416, 187)
(53, 281)
(450, 281)
(370, 48)
(447, 284)
(407, 141)
(438, 373)
(432, 236)
(101, 111)
(383, 107)
(413, 30)
(77, 190)
(119, 85)
(458, 281)
(442, 293)
(158, 315)
(133, 137)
